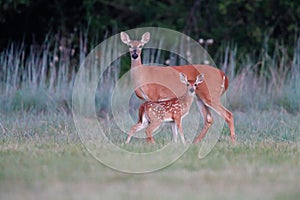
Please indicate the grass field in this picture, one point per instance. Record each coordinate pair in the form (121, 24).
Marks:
(44, 159)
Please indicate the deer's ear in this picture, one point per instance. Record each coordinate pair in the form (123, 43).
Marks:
(145, 37)
(125, 38)
(183, 78)
(200, 78)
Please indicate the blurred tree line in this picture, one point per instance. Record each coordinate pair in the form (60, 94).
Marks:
(248, 23)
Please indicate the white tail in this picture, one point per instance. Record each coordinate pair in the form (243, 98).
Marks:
(153, 114)
(208, 93)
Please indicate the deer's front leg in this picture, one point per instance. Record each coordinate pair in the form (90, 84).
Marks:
(179, 127)
(175, 132)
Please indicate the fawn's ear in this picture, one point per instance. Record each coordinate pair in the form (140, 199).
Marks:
(183, 78)
(145, 37)
(125, 38)
(200, 78)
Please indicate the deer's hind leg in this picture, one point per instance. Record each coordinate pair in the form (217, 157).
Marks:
(153, 126)
(135, 128)
(223, 112)
(208, 120)
(228, 116)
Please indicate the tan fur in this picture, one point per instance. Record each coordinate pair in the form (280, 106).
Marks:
(153, 113)
(160, 83)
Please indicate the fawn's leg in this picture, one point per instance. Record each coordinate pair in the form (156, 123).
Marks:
(135, 128)
(177, 121)
(154, 125)
(174, 131)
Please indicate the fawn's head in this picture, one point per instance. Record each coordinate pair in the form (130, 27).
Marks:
(135, 46)
(191, 85)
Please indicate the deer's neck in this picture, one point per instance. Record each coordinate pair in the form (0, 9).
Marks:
(186, 99)
(136, 62)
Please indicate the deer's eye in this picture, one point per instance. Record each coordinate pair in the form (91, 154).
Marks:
(140, 46)
(187, 84)
(195, 84)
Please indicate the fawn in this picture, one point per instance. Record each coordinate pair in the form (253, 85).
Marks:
(153, 113)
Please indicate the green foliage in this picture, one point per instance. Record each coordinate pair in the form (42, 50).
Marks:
(12, 7)
(245, 22)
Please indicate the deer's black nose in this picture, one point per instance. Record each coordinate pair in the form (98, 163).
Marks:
(134, 55)
(192, 90)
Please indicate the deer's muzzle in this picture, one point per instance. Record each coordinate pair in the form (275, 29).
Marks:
(134, 55)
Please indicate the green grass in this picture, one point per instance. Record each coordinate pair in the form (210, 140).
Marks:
(59, 167)
(41, 156)
(67, 171)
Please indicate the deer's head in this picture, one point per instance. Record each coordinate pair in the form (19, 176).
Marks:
(135, 46)
(191, 85)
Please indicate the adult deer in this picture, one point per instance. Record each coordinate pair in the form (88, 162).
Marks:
(208, 94)
(153, 113)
